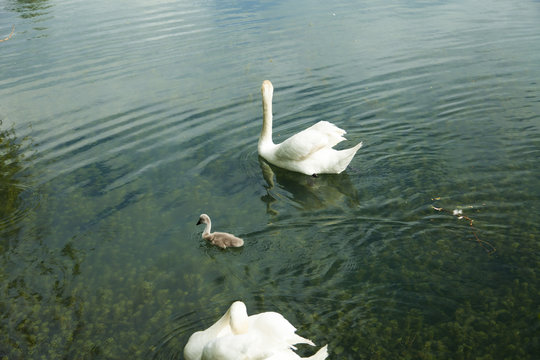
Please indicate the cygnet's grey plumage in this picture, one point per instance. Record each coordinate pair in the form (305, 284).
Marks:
(221, 239)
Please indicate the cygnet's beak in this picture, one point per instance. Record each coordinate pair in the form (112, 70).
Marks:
(199, 222)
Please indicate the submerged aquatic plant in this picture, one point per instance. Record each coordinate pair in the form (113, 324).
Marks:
(490, 249)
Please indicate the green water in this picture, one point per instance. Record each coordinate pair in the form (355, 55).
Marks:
(122, 121)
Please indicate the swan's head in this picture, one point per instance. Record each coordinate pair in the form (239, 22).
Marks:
(267, 89)
(238, 318)
(203, 219)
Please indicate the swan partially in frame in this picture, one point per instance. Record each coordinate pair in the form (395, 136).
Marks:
(310, 151)
(236, 336)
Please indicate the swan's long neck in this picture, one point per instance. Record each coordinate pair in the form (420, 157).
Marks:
(207, 227)
(214, 330)
(266, 132)
(238, 318)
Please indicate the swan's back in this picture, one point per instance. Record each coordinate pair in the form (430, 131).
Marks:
(275, 327)
(253, 347)
(198, 340)
(307, 142)
(235, 336)
(238, 347)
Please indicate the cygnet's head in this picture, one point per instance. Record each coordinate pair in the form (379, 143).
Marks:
(203, 219)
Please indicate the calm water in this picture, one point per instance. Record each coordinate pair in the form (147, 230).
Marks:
(122, 121)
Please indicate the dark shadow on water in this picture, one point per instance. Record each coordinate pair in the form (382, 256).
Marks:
(16, 196)
(36, 12)
(29, 8)
(307, 192)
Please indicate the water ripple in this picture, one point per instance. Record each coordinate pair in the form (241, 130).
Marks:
(145, 113)
(26, 200)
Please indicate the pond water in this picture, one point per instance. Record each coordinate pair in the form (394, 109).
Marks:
(122, 121)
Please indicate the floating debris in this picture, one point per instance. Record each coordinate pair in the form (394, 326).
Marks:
(10, 34)
(490, 249)
(457, 212)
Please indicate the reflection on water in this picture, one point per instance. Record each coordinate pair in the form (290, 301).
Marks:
(29, 8)
(306, 192)
(34, 12)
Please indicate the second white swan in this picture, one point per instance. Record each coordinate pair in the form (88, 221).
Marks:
(310, 151)
(236, 335)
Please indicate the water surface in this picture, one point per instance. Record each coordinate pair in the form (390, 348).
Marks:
(122, 121)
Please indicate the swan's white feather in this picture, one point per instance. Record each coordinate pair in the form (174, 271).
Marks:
(235, 336)
(198, 340)
(307, 142)
(290, 355)
(309, 151)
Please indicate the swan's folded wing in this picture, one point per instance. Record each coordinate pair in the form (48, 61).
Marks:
(302, 145)
(334, 133)
(239, 347)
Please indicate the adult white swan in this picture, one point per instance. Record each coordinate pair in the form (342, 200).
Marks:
(310, 151)
(236, 336)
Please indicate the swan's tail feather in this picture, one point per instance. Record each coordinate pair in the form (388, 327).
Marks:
(297, 339)
(328, 127)
(320, 355)
(347, 156)
(333, 133)
(356, 147)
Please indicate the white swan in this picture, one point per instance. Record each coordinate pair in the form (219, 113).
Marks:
(231, 321)
(236, 336)
(310, 151)
(221, 239)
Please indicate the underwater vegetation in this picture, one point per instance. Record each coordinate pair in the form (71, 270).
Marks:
(94, 292)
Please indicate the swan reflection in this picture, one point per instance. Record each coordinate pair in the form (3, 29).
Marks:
(306, 192)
